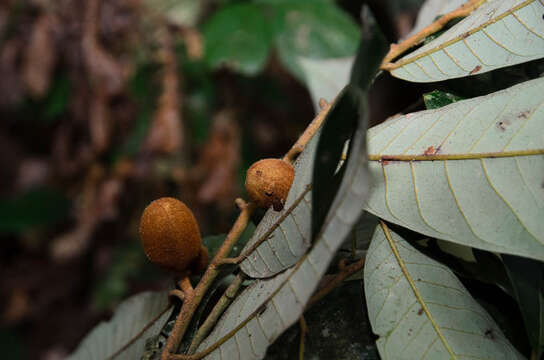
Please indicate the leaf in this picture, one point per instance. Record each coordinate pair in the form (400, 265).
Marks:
(421, 310)
(239, 36)
(36, 207)
(124, 336)
(178, 12)
(337, 128)
(341, 120)
(469, 172)
(433, 9)
(269, 306)
(527, 279)
(436, 99)
(325, 78)
(312, 29)
(287, 232)
(497, 34)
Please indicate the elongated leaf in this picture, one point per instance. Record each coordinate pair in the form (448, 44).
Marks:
(269, 306)
(499, 33)
(527, 278)
(469, 172)
(124, 336)
(288, 231)
(421, 310)
(342, 119)
(337, 129)
(325, 77)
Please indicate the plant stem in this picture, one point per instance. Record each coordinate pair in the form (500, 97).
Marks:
(303, 332)
(217, 310)
(190, 304)
(310, 131)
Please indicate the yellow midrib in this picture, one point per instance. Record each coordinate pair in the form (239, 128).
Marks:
(414, 288)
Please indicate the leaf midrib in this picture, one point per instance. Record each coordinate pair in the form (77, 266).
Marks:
(461, 156)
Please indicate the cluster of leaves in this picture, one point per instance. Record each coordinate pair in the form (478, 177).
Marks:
(455, 192)
(314, 29)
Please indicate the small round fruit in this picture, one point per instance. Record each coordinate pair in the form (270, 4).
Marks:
(170, 235)
(268, 182)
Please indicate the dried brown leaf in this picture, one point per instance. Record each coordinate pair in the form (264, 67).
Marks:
(40, 56)
(166, 135)
(219, 161)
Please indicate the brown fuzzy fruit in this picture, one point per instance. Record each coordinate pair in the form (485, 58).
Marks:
(170, 236)
(268, 182)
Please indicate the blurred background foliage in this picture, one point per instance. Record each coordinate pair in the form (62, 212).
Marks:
(109, 104)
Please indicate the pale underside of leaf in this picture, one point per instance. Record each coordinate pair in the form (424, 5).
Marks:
(124, 336)
(288, 232)
(270, 306)
(499, 33)
(471, 172)
(325, 78)
(421, 310)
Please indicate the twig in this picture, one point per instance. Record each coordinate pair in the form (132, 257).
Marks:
(190, 304)
(397, 49)
(309, 132)
(217, 310)
(303, 332)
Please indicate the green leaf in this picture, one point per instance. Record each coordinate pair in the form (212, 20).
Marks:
(238, 36)
(496, 35)
(124, 336)
(313, 29)
(58, 98)
(127, 260)
(36, 207)
(144, 89)
(421, 310)
(527, 279)
(448, 173)
(437, 99)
